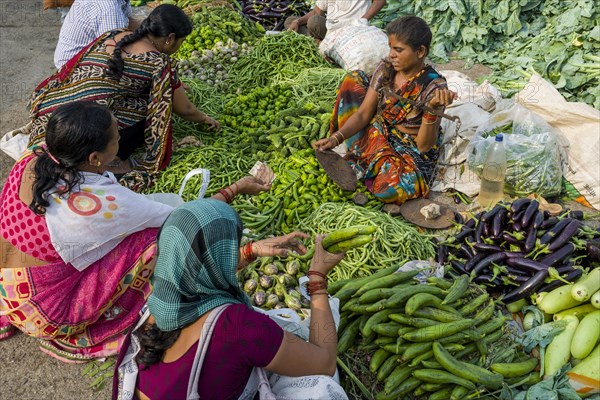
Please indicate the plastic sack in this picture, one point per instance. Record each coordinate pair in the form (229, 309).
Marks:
(289, 320)
(428, 269)
(579, 123)
(14, 143)
(356, 47)
(534, 162)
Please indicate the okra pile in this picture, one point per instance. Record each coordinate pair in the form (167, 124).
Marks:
(518, 249)
(438, 339)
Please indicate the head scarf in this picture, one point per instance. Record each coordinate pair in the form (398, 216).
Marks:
(198, 250)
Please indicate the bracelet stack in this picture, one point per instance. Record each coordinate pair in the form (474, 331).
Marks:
(223, 192)
(337, 138)
(315, 288)
(429, 118)
(228, 195)
(247, 253)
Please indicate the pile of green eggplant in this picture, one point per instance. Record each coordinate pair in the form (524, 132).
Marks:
(438, 339)
(273, 284)
(518, 249)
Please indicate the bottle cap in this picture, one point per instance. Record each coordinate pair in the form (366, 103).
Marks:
(499, 137)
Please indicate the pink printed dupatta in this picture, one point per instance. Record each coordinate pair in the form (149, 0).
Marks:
(81, 315)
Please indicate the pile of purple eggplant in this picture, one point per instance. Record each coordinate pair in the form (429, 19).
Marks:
(517, 249)
(271, 14)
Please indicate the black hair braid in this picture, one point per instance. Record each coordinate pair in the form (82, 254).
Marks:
(48, 173)
(154, 343)
(116, 63)
(164, 20)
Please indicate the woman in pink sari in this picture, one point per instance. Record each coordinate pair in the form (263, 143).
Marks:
(77, 248)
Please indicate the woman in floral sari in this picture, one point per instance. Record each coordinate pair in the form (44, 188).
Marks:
(391, 144)
(131, 74)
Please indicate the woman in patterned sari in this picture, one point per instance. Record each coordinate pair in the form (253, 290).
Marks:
(131, 74)
(77, 249)
(391, 144)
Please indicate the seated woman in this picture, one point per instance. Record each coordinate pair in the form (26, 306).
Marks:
(202, 338)
(131, 74)
(391, 144)
(77, 249)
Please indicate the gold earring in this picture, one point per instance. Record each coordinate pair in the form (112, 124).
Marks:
(98, 164)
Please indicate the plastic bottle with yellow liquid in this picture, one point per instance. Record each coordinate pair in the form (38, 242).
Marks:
(494, 171)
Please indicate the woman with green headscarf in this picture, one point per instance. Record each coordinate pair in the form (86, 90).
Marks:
(203, 339)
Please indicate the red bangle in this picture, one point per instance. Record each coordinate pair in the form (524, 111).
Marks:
(312, 287)
(430, 117)
(316, 273)
(224, 193)
(247, 252)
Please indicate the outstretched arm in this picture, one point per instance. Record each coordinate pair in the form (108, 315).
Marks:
(296, 357)
(358, 121)
(376, 6)
(183, 107)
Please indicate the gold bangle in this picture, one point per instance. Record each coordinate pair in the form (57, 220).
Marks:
(337, 141)
(431, 123)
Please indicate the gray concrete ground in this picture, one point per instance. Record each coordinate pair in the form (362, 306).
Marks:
(28, 37)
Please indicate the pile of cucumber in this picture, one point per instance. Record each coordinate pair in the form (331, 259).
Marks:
(433, 339)
(578, 305)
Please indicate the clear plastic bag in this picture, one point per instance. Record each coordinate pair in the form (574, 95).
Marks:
(534, 159)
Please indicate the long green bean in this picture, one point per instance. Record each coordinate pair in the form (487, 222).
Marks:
(275, 57)
(396, 241)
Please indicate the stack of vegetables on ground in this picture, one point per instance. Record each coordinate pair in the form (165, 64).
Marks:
(217, 158)
(301, 186)
(274, 58)
(273, 284)
(518, 249)
(272, 14)
(398, 241)
(566, 327)
(218, 24)
(212, 66)
(443, 339)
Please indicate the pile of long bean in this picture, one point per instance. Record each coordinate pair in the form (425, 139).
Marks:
(275, 57)
(225, 162)
(207, 99)
(396, 241)
(315, 85)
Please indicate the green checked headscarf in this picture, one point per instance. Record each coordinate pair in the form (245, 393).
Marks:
(198, 250)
